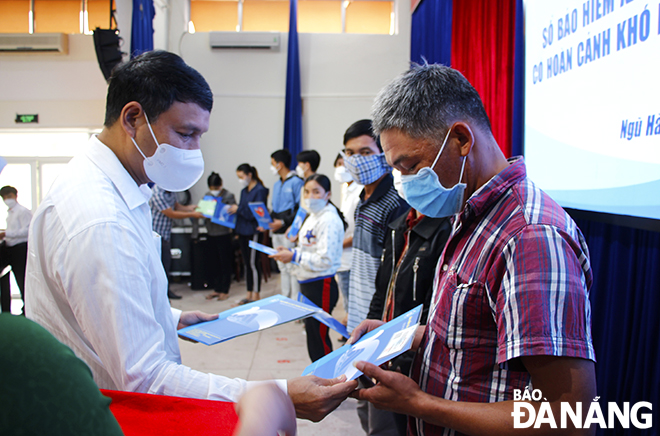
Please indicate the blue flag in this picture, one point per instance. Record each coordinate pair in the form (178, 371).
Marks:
(293, 107)
(142, 27)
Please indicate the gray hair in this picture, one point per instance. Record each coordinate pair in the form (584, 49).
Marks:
(423, 101)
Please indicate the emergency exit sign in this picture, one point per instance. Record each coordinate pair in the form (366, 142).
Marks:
(27, 118)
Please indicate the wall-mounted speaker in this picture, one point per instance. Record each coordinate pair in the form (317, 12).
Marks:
(106, 43)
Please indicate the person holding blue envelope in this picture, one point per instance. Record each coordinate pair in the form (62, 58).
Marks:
(219, 249)
(318, 257)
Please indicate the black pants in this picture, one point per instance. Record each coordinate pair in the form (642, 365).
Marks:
(251, 261)
(324, 293)
(16, 256)
(219, 260)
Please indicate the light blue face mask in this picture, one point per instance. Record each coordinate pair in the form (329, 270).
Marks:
(424, 192)
(314, 205)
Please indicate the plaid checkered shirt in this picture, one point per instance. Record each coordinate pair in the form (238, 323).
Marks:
(513, 281)
(161, 200)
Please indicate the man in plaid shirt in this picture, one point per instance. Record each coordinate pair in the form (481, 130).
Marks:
(511, 303)
(165, 209)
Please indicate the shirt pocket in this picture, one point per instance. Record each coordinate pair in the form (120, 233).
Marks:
(462, 317)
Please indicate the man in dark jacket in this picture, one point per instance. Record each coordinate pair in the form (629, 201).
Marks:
(405, 276)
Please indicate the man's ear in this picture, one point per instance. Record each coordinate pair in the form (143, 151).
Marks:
(463, 132)
(130, 117)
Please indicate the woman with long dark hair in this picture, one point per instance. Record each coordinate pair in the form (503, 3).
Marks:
(318, 257)
(246, 227)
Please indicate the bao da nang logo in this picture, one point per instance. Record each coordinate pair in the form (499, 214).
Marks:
(604, 415)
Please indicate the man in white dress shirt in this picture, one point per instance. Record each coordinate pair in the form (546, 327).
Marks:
(95, 277)
(13, 250)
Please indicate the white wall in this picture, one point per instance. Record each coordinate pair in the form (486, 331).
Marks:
(340, 76)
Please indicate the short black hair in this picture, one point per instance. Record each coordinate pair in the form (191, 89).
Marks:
(155, 79)
(361, 128)
(214, 180)
(6, 190)
(426, 100)
(311, 157)
(282, 156)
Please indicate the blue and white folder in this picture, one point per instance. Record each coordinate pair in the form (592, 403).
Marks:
(213, 208)
(222, 215)
(261, 247)
(265, 249)
(378, 346)
(297, 223)
(249, 318)
(260, 213)
(322, 316)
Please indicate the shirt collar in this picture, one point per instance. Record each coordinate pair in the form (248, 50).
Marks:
(106, 160)
(385, 184)
(488, 194)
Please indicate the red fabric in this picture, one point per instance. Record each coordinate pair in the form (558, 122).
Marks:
(160, 415)
(326, 306)
(483, 39)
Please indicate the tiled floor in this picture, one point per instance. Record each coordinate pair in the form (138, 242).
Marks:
(278, 352)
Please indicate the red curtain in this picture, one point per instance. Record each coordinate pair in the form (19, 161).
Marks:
(483, 41)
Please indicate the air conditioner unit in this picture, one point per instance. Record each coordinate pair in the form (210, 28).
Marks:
(34, 43)
(269, 40)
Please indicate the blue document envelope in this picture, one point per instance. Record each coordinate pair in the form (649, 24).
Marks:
(252, 317)
(223, 217)
(261, 247)
(297, 223)
(325, 317)
(377, 347)
(260, 213)
(265, 249)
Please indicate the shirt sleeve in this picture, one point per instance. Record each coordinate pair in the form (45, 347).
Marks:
(160, 201)
(542, 307)
(125, 321)
(297, 189)
(21, 230)
(328, 237)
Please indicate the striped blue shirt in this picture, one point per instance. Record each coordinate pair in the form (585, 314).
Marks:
(371, 220)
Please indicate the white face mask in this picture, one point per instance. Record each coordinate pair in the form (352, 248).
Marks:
(173, 169)
(300, 172)
(314, 205)
(243, 182)
(10, 202)
(396, 175)
(342, 175)
(273, 169)
(214, 193)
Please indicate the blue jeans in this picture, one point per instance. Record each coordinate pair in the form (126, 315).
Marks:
(343, 278)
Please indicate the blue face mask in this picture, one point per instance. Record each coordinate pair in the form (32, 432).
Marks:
(424, 192)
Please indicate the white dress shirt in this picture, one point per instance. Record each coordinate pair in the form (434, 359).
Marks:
(96, 282)
(18, 223)
(350, 198)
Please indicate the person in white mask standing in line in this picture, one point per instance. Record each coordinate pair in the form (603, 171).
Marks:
(95, 278)
(13, 250)
(317, 258)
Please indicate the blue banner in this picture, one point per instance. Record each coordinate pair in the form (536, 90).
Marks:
(293, 140)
